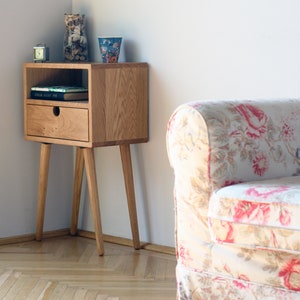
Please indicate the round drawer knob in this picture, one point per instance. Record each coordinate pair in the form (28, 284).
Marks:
(56, 111)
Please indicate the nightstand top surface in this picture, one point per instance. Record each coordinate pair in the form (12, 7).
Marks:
(86, 65)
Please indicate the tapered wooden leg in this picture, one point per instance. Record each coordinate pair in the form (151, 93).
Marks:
(43, 181)
(89, 161)
(79, 164)
(128, 177)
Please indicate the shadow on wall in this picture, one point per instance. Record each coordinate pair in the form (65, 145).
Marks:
(130, 50)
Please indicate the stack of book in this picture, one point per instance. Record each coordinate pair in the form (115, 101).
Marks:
(67, 93)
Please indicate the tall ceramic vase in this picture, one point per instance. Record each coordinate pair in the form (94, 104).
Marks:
(75, 39)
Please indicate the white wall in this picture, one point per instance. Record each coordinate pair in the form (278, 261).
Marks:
(196, 49)
(23, 24)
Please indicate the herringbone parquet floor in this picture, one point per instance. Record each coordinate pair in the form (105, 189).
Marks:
(69, 268)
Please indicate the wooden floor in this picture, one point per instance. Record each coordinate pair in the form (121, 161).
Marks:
(69, 268)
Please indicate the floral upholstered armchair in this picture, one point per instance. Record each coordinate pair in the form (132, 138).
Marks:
(237, 198)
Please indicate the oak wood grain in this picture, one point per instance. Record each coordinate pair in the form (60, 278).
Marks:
(68, 268)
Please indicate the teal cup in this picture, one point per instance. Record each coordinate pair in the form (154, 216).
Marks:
(109, 48)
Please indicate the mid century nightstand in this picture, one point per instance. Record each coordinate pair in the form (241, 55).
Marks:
(116, 113)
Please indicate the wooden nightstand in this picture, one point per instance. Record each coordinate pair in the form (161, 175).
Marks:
(116, 113)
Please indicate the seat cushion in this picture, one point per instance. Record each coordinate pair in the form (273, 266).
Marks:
(258, 214)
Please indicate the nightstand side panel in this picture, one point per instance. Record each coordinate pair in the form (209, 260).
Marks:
(123, 107)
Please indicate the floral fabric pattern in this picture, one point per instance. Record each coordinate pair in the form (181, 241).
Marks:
(210, 286)
(255, 118)
(251, 140)
(267, 210)
(237, 194)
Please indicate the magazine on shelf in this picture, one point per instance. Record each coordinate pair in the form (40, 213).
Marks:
(60, 89)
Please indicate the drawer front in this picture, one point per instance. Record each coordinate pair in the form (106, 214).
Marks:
(57, 122)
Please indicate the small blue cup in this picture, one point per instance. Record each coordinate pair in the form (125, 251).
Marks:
(110, 48)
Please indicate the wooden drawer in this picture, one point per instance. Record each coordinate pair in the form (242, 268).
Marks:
(57, 122)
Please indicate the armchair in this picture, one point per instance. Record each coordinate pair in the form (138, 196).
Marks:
(237, 198)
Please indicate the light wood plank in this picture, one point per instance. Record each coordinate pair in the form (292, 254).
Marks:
(59, 268)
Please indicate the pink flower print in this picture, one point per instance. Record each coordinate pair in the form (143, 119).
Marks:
(226, 235)
(291, 274)
(240, 284)
(284, 217)
(265, 193)
(183, 253)
(255, 118)
(260, 164)
(247, 211)
(287, 132)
